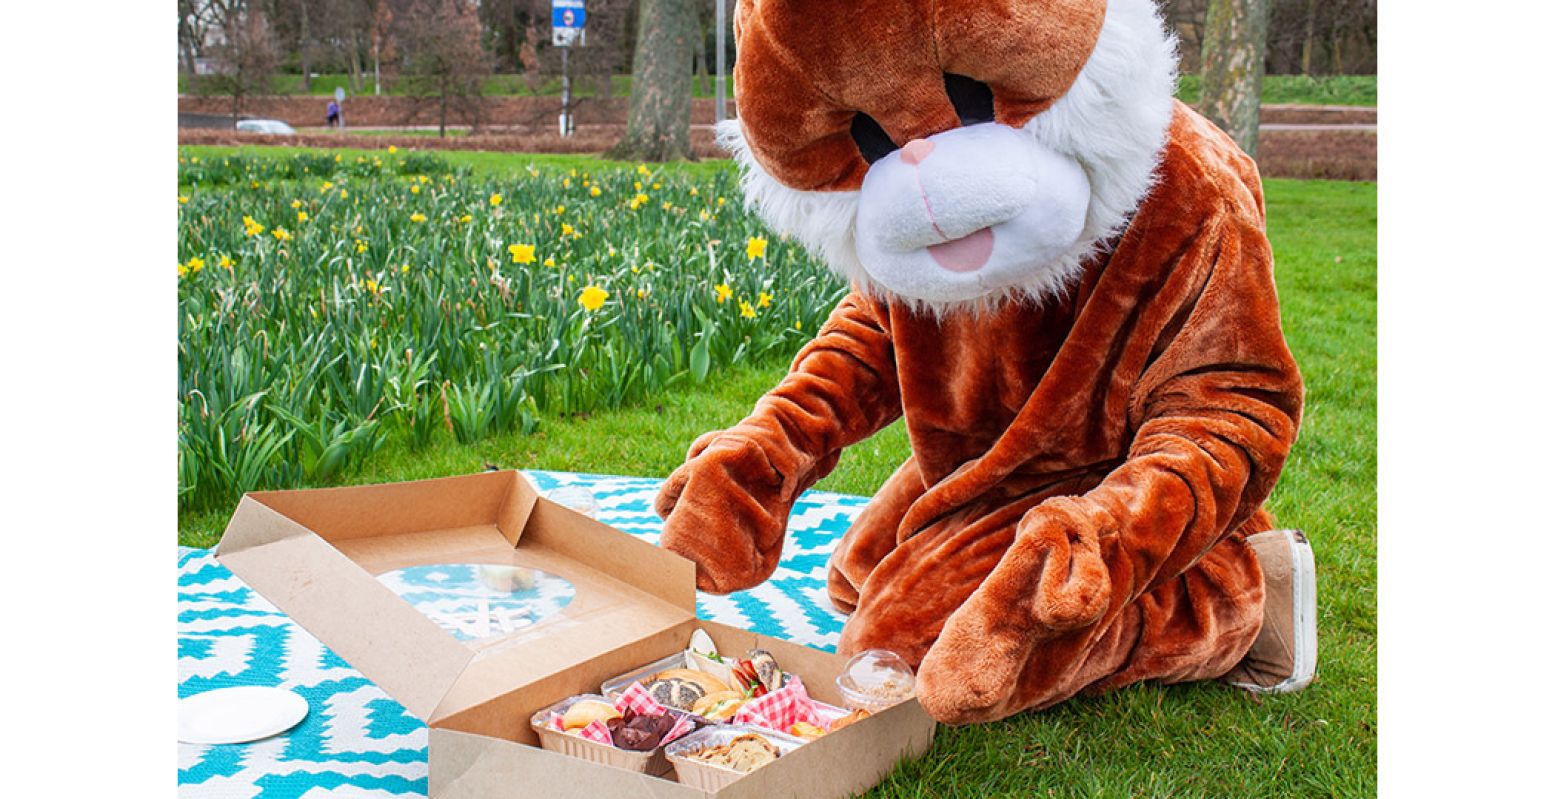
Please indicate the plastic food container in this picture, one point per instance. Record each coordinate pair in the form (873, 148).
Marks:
(706, 776)
(616, 686)
(874, 680)
(645, 762)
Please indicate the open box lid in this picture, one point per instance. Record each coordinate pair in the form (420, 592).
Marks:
(317, 555)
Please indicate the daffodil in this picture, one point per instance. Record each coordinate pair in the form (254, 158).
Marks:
(755, 247)
(720, 202)
(763, 300)
(522, 253)
(371, 285)
(550, 262)
(225, 263)
(496, 200)
(393, 149)
(423, 179)
(668, 205)
(418, 217)
(657, 186)
(722, 292)
(592, 298)
(561, 209)
(342, 194)
(324, 189)
(746, 310)
(183, 271)
(183, 199)
(798, 325)
(593, 191)
(252, 228)
(704, 215)
(302, 216)
(404, 268)
(361, 246)
(566, 229)
(465, 219)
(566, 183)
(642, 169)
(415, 188)
(281, 235)
(693, 191)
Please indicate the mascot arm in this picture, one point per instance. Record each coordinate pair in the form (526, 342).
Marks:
(726, 508)
(1216, 414)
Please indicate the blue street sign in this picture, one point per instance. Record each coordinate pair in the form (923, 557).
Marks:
(567, 18)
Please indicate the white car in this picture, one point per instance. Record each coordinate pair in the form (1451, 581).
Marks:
(274, 127)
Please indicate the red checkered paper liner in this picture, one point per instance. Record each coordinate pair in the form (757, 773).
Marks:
(637, 699)
(778, 710)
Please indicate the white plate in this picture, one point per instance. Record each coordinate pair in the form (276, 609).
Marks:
(238, 715)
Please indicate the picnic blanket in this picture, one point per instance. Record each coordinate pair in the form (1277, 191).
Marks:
(357, 742)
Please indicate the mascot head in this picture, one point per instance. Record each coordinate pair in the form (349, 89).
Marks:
(950, 153)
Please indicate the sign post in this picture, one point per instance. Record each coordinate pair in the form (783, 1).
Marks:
(567, 19)
(340, 100)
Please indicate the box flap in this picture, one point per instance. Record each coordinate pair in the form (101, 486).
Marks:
(318, 555)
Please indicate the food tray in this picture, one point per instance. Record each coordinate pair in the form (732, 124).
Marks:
(706, 776)
(645, 762)
(616, 686)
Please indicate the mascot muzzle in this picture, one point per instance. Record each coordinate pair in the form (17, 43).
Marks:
(968, 212)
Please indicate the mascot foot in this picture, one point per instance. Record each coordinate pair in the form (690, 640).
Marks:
(1283, 659)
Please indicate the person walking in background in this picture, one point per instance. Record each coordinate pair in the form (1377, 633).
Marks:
(332, 114)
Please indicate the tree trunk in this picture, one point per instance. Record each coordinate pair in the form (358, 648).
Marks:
(1235, 41)
(658, 127)
(1307, 44)
(302, 48)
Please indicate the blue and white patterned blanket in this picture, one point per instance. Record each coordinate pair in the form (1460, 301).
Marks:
(356, 741)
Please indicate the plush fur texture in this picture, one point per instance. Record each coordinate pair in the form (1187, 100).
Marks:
(1086, 460)
(1112, 122)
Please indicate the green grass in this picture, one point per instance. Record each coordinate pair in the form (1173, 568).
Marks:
(1145, 740)
(482, 164)
(1299, 89)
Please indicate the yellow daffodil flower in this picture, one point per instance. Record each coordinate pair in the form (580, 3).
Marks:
(566, 229)
(755, 247)
(196, 264)
(296, 204)
(550, 262)
(415, 188)
(592, 298)
(561, 209)
(302, 216)
(393, 149)
(225, 263)
(593, 191)
(281, 234)
(642, 169)
(668, 205)
(183, 271)
(418, 217)
(404, 268)
(763, 300)
(465, 219)
(746, 310)
(252, 228)
(722, 292)
(496, 200)
(183, 199)
(566, 183)
(522, 253)
(324, 189)
(693, 191)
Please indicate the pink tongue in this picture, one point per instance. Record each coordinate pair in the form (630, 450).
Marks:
(965, 254)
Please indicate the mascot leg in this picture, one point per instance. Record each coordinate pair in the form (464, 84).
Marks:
(1195, 625)
(872, 536)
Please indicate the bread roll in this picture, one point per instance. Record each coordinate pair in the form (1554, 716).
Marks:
(584, 713)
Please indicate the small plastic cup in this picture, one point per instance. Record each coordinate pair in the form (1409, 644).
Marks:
(576, 498)
(874, 680)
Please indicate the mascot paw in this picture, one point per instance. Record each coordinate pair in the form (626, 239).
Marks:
(722, 510)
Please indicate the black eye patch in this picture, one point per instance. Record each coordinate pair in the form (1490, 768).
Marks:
(972, 99)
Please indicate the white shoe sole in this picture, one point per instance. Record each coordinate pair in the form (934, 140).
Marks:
(1303, 584)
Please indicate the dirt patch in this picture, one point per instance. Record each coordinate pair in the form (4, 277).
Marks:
(373, 112)
(1317, 115)
(1319, 154)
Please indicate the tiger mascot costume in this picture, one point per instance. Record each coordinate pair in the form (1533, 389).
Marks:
(1060, 280)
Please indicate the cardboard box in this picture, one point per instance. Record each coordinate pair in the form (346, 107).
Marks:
(316, 555)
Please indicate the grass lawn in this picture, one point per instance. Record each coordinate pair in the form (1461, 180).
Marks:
(1301, 89)
(1146, 740)
(482, 163)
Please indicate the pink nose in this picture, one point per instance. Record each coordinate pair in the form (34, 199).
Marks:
(916, 150)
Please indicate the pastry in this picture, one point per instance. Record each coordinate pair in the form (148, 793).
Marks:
(675, 692)
(743, 753)
(851, 718)
(640, 732)
(718, 706)
(585, 712)
(766, 668)
(709, 683)
(805, 731)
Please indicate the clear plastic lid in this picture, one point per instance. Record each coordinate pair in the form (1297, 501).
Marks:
(477, 601)
(576, 498)
(875, 679)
